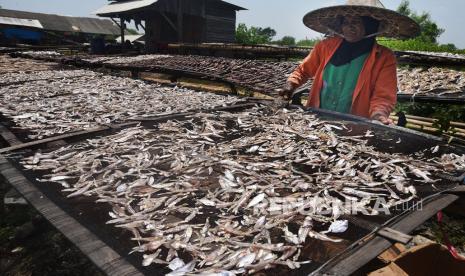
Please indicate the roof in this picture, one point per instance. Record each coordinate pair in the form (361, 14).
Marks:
(117, 7)
(126, 6)
(60, 23)
(20, 22)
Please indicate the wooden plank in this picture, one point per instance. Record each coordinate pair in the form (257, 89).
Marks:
(72, 135)
(9, 137)
(385, 232)
(353, 259)
(231, 107)
(459, 189)
(394, 235)
(108, 260)
(163, 117)
(180, 17)
(53, 139)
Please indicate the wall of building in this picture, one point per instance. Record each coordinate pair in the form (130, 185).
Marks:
(217, 24)
(220, 23)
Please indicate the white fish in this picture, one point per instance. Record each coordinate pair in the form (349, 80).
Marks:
(207, 202)
(289, 236)
(256, 200)
(320, 236)
(61, 177)
(253, 149)
(246, 260)
(337, 226)
(260, 223)
(121, 188)
(421, 174)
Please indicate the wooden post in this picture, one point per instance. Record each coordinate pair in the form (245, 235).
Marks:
(180, 23)
(122, 26)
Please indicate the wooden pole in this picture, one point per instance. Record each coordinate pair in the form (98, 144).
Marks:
(180, 21)
(122, 27)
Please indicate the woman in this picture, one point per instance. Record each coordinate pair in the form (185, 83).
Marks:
(351, 72)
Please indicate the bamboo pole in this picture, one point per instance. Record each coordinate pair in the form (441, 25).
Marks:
(423, 128)
(420, 122)
(428, 122)
(428, 127)
(452, 123)
(458, 130)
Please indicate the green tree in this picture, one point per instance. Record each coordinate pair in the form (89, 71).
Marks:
(308, 42)
(404, 8)
(253, 35)
(287, 41)
(430, 31)
(267, 32)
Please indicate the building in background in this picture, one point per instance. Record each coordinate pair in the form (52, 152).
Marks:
(170, 21)
(50, 29)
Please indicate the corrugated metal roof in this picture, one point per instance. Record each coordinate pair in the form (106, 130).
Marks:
(20, 22)
(60, 23)
(124, 6)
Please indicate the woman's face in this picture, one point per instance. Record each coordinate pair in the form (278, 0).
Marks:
(353, 28)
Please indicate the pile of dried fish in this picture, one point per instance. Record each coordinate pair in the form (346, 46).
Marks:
(14, 65)
(53, 107)
(41, 54)
(253, 74)
(21, 76)
(266, 76)
(235, 192)
(438, 54)
(123, 59)
(434, 79)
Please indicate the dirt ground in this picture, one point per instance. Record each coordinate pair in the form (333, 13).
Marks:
(29, 245)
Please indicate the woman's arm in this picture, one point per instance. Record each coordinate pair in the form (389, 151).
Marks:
(384, 97)
(306, 70)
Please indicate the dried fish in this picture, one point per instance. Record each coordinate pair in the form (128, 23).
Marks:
(219, 202)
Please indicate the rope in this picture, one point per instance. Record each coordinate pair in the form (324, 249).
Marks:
(453, 251)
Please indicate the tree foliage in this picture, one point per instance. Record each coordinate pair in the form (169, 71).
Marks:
(254, 35)
(417, 45)
(286, 41)
(267, 32)
(308, 42)
(430, 31)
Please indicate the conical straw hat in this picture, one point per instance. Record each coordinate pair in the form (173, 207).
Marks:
(392, 24)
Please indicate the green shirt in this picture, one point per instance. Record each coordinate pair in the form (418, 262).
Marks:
(339, 84)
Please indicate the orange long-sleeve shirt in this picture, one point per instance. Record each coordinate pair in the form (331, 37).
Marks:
(376, 89)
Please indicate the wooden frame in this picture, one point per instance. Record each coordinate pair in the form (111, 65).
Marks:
(108, 260)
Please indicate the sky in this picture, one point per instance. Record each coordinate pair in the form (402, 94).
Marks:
(283, 16)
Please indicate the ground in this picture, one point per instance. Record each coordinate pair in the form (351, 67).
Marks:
(29, 245)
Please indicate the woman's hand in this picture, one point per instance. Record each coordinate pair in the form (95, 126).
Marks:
(286, 91)
(383, 119)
